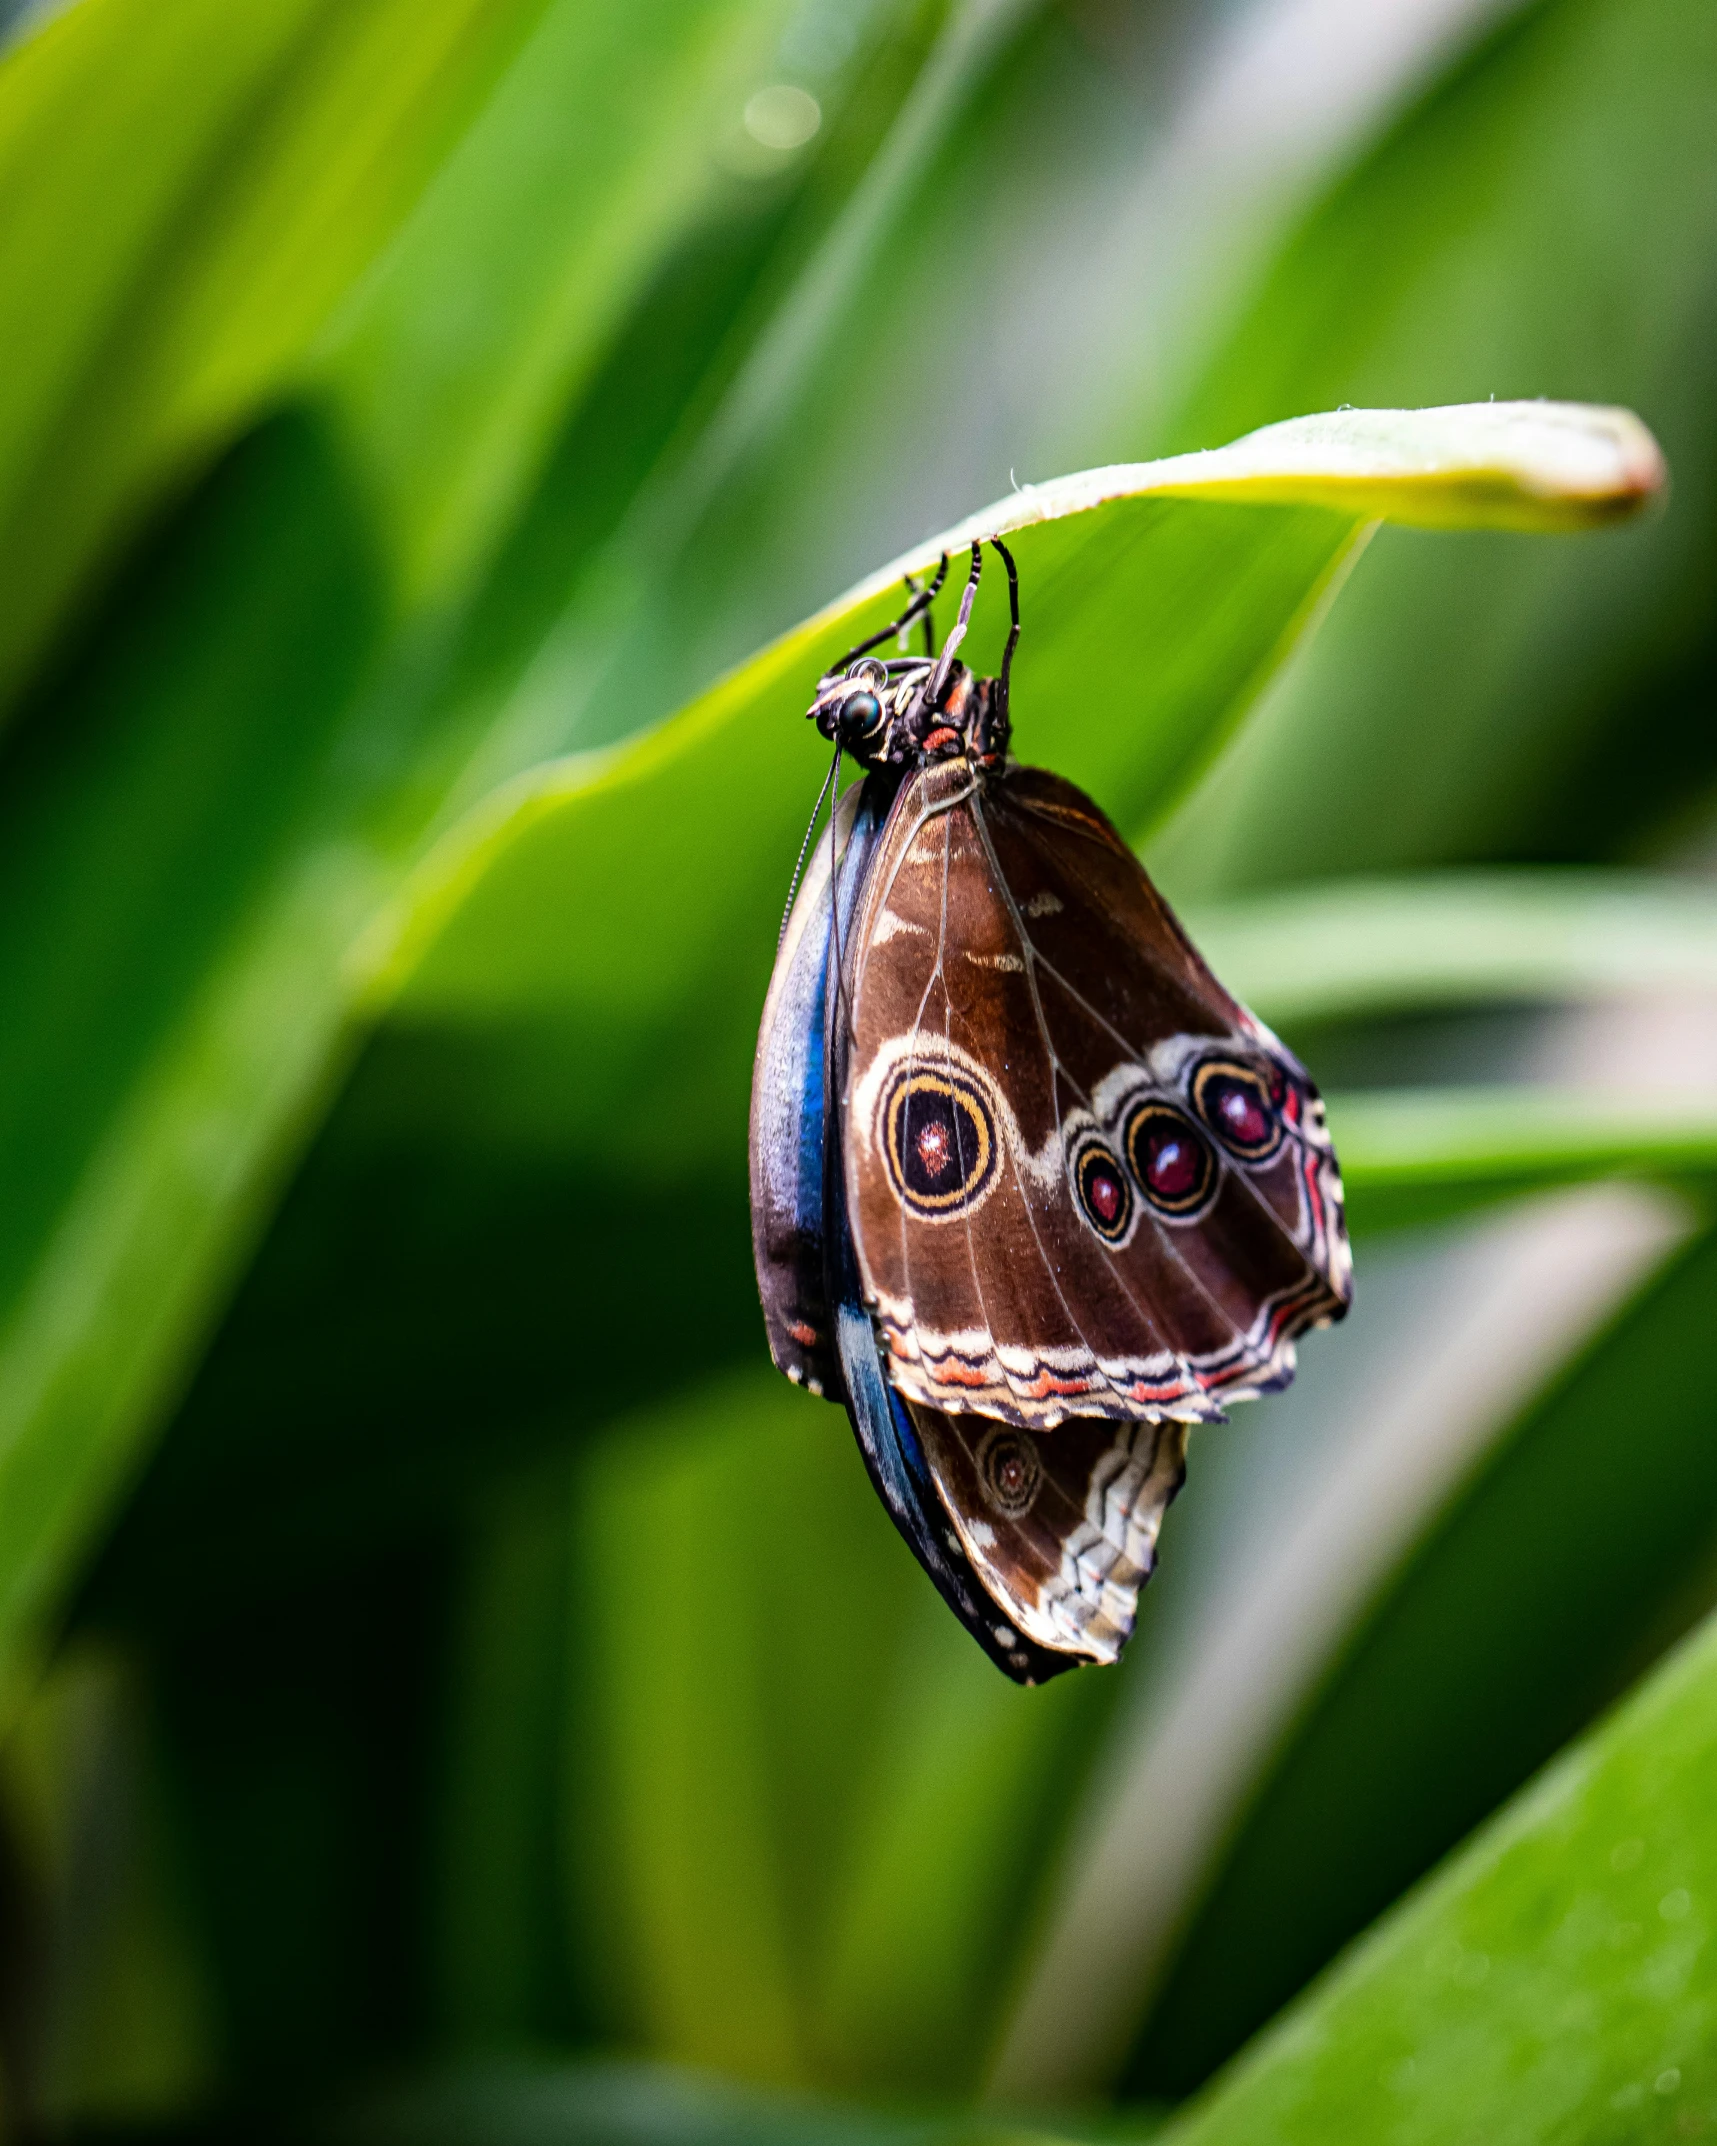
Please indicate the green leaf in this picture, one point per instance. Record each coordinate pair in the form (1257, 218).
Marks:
(1578, 1549)
(1556, 1981)
(187, 205)
(1407, 1154)
(183, 888)
(1377, 946)
(451, 371)
(1217, 598)
(1541, 222)
(177, 893)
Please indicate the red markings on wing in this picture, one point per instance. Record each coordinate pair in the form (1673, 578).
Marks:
(959, 1375)
(1046, 1383)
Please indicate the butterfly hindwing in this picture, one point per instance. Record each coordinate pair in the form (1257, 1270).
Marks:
(1060, 1526)
(790, 1103)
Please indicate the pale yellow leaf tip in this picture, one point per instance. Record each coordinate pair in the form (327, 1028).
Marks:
(1535, 465)
(1516, 465)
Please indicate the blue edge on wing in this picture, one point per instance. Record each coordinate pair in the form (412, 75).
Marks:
(881, 1421)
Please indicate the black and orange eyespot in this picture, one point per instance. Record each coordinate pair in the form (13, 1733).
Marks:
(938, 1140)
(1101, 1188)
(1174, 1164)
(1234, 1099)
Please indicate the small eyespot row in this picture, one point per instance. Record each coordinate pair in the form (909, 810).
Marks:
(1172, 1155)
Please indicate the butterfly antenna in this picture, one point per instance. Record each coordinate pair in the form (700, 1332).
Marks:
(837, 858)
(919, 607)
(1007, 559)
(804, 847)
(945, 662)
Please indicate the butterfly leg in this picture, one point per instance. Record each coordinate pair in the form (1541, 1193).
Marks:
(919, 607)
(945, 662)
(1007, 559)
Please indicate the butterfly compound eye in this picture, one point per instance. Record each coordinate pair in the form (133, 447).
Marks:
(1234, 1100)
(858, 719)
(1171, 1159)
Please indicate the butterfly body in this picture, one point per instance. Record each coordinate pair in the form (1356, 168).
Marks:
(1031, 1192)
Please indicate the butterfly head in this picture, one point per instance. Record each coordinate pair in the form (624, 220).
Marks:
(857, 709)
(903, 714)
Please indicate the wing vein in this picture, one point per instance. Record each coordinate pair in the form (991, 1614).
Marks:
(1073, 872)
(1058, 1073)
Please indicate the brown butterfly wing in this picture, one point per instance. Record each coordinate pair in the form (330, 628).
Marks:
(1060, 1527)
(1083, 1181)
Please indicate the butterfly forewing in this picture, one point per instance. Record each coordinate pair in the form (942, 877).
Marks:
(1218, 1092)
(1082, 1180)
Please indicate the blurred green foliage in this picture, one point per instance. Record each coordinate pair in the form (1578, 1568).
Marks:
(449, 1682)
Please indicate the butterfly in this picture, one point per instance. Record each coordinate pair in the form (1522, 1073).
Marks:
(1031, 1193)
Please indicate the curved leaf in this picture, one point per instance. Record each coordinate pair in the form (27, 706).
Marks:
(1555, 1982)
(1579, 1549)
(229, 775)
(189, 197)
(1151, 625)
(1408, 1154)
(1540, 221)
(1370, 946)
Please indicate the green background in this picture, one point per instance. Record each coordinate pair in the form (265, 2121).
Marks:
(450, 1688)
